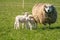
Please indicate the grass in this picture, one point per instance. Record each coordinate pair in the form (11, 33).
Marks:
(10, 8)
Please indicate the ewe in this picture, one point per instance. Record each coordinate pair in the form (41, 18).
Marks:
(44, 13)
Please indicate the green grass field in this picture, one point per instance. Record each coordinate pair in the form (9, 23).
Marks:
(11, 8)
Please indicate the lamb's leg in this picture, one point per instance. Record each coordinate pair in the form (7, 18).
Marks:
(22, 25)
(49, 25)
(15, 25)
(26, 26)
(35, 25)
(30, 25)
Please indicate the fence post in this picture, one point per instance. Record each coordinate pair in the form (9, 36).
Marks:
(23, 4)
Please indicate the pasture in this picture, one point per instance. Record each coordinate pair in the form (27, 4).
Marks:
(11, 8)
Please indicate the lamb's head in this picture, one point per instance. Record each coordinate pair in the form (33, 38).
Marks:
(26, 14)
(49, 8)
(30, 18)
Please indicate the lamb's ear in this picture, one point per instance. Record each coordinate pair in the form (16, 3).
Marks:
(25, 13)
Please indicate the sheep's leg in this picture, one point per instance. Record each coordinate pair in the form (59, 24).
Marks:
(35, 25)
(44, 26)
(22, 25)
(26, 26)
(49, 25)
(15, 25)
(30, 25)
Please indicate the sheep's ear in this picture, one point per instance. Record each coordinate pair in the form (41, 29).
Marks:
(44, 8)
(53, 7)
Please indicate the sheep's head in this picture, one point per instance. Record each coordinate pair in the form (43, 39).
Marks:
(30, 17)
(49, 8)
(26, 13)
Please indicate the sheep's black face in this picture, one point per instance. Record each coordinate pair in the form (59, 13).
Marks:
(49, 8)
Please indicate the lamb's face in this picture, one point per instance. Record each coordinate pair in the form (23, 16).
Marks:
(30, 18)
(26, 14)
(49, 8)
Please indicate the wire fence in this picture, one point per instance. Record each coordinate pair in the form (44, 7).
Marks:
(19, 5)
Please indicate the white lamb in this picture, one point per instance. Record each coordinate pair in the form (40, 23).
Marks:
(24, 19)
(31, 22)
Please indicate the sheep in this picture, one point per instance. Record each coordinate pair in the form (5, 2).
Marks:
(32, 22)
(24, 19)
(20, 19)
(44, 13)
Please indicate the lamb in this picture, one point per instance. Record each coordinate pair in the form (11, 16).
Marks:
(44, 13)
(32, 22)
(24, 19)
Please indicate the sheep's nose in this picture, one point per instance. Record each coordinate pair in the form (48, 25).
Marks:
(48, 10)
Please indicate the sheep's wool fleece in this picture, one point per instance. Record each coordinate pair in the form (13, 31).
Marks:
(41, 16)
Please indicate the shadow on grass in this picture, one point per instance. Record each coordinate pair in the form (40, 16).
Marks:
(57, 27)
(49, 28)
